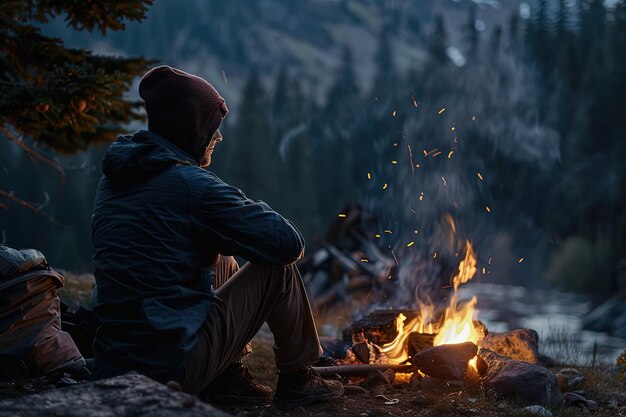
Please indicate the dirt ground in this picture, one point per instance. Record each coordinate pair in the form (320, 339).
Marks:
(602, 386)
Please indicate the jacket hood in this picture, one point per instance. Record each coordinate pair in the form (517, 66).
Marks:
(142, 155)
(183, 108)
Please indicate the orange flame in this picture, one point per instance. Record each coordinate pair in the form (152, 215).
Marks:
(457, 326)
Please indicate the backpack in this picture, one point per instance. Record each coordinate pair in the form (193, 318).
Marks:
(31, 340)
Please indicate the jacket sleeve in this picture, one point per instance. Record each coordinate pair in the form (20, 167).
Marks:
(236, 225)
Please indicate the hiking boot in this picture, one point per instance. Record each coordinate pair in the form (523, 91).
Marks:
(304, 388)
(237, 386)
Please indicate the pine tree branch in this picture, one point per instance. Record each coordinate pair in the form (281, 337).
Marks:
(26, 204)
(30, 151)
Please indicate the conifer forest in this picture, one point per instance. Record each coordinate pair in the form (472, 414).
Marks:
(507, 115)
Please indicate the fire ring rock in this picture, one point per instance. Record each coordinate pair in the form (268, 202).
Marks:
(523, 382)
(520, 344)
(447, 362)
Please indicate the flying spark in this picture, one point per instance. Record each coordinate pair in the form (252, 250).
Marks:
(441, 110)
(480, 176)
(410, 244)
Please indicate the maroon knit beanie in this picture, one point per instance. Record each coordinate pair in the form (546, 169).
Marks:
(183, 108)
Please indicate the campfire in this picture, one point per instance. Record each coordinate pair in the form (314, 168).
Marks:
(391, 337)
(437, 341)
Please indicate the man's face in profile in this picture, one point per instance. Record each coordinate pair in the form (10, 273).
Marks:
(206, 159)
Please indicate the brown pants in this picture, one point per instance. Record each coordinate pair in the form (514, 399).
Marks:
(244, 300)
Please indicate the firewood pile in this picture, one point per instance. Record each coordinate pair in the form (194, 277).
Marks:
(348, 266)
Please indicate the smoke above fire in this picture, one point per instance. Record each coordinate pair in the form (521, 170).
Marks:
(441, 164)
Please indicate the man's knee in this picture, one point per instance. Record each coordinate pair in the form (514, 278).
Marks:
(281, 272)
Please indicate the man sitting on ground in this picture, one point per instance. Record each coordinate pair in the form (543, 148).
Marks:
(164, 230)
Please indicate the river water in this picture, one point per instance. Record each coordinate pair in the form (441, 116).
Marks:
(555, 315)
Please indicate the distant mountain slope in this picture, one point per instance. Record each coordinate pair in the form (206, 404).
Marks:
(223, 41)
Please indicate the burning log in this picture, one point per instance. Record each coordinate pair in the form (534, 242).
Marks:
(447, 362)
(379, 326)
(349, 371)
(417, 342)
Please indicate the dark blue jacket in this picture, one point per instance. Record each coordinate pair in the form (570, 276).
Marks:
(159, 222)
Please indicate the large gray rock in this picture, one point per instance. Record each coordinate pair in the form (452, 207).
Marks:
(520, 344)
(610, 316)
(522, 382)
(448, 362)
(123, 396)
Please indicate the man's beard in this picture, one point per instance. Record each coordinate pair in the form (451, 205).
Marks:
(206, 158)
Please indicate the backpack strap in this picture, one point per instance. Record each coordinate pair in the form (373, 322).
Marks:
(18, 279)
